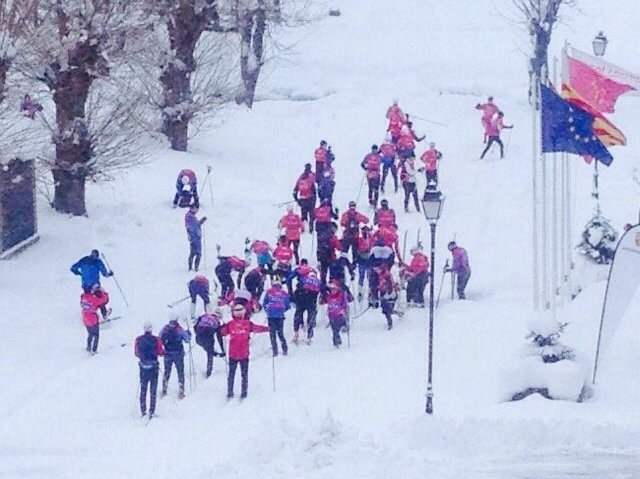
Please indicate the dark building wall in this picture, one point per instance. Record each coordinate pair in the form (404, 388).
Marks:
(17, 203)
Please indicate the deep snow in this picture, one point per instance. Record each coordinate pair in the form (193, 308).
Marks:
(355, 412)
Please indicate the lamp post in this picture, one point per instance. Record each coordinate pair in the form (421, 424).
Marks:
(599, 44)
(432, 202)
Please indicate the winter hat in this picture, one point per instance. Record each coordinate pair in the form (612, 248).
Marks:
(95, 253)
(242, 294)
(352, 204)
(323, 143)
(384, 203)
(148, 327)
(173, 316)
(451, 245)
(374, 147)
(416, 248)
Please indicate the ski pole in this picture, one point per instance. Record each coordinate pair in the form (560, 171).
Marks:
(115, 279)
(273, 371)
(361, 186)
(429, 121)
(453, 285)
(444, 273)
(210, 184)
(204, 248)
(178, 301)
(506, 148)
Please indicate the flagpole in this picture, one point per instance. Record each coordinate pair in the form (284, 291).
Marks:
(534, 165)
(566, 201)
(554, 212)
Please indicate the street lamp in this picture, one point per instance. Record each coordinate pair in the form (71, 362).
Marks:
(599, 44)
(432, 202)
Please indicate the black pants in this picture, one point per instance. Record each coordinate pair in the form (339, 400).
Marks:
(305, 302)
(432, 176)
(276, 326)
(244, 371)
(93, 336)
(148, 380)
(387, 306)
(307, 206)
(410, 190)
(415, 288)
(207, 342)
(374, 190)
(336, 326)
(225, 280)
(350, 242)
(324, 268)
(492, 140)
(394, 175)
(462, 280)
(296, 249)
(169, 361)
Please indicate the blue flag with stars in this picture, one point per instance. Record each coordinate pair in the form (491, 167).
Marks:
(566, 127)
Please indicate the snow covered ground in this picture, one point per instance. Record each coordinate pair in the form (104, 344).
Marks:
(355, 412)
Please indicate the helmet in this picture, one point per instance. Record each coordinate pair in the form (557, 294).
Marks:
(173, 317)
(148, 327)
(185, 180)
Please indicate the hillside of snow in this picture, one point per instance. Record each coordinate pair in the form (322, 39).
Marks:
(356, 412)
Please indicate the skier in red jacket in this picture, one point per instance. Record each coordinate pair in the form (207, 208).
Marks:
(90, 303)
(371, 165)
(239, 330)
(292, 225)
(304, 193)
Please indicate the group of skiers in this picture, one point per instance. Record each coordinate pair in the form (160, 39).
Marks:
(366, 249)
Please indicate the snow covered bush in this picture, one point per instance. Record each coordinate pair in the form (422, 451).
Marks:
(546, 367)
(599, 240)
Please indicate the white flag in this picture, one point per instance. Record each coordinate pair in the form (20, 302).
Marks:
(623, 282)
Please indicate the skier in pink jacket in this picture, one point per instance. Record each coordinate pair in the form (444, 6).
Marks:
(493, 131)
(489, 109)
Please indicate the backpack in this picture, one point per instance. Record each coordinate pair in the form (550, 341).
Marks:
(147, 351)
(172, 340)
(206, 323)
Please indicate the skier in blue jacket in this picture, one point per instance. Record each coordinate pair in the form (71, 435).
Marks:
(89, 268)
(275, 303)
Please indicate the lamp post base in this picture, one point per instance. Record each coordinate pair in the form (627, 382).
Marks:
(429, 408)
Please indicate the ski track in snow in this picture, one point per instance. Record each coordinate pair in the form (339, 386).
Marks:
(355, 412)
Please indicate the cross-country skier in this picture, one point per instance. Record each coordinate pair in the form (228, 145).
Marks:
(292, 225)
(396, 120)
(198, 286)
(388, 292)
(275, 304)
(350, 222)
(172, 336)
(90, 303)
(408, 173)
(489, 109)
(227, 264)
(239, 330)
(305, 297)
(493, 132)
(264, 257)
(460, 267)
(385, 216)
(363, 248)
(320, 155)
(382, 256)
(194, 234)
(388, 159)
(337, 301)
(89, 268)
(186, 190)
(388, 236)
(430, 158)
(328, 245)
(207, 329)
(326, 181)
(147, 349)
(323, 216)
(371, 165)
(406, 144)
(254, 283)
(304, 193)
(283, 256)
(244, 297)
(417, 276)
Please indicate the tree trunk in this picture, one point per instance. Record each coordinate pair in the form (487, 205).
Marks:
(252, 30)
(73, 144)
(185, 28)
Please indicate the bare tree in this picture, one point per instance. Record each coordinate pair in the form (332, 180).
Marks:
(73, 43)
(540, 16)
